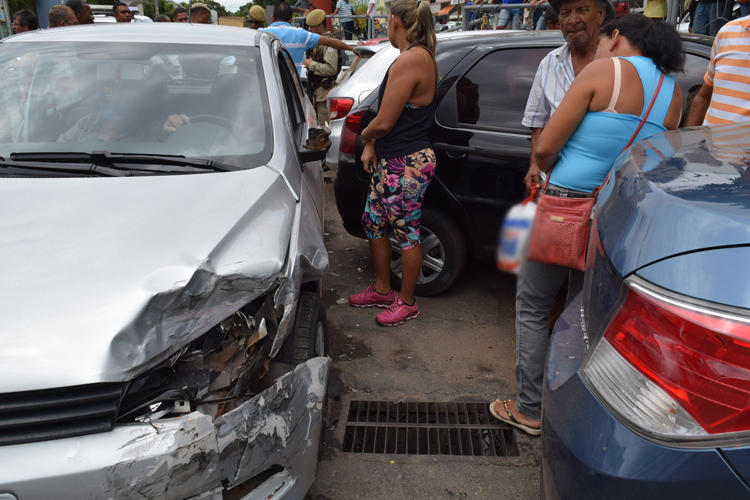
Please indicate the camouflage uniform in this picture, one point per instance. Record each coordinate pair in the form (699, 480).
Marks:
(321, 74)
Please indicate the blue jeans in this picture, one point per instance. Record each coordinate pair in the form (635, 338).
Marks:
(512, 17)
(541, 25)
(709, 15)
(536, 290)
(348, 27)
(745, 9)
(538, 15)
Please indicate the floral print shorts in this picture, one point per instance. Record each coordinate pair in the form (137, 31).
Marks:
(394, 204)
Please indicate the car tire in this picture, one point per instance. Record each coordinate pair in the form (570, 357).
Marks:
(444, 250)
(309, 336)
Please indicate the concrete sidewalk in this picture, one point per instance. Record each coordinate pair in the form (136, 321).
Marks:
(459, 349)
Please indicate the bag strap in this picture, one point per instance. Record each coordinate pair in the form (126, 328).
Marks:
(643, 120)
(618, 82)
(595, 192)
(532, 196)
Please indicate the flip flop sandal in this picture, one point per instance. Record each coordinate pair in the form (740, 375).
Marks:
(511, 419)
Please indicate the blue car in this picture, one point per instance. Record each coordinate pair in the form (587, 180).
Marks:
(647, 390)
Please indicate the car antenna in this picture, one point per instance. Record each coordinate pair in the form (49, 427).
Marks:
(190, 9)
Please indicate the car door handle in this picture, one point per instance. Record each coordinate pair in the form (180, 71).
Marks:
(454, 147)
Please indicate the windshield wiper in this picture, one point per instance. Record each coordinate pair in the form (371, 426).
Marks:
(105, 158)
(8, 167)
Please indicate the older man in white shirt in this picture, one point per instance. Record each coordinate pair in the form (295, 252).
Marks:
(538, 284)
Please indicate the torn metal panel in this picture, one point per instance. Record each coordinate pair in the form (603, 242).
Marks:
(214, 373)
(172, 319)
(188, 456)
(283, 421)
(307, 260)
(182, 460)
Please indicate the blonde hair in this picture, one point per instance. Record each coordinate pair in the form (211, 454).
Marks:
(420, 28)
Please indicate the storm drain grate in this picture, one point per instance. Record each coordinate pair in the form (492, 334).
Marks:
(418, 428)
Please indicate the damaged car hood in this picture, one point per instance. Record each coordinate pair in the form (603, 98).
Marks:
(106, 277)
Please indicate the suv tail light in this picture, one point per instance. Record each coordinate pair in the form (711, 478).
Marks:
(348, 148)
(340, 107)
(672, 368)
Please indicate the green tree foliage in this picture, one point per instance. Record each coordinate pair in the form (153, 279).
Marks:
(165, 7)
(16, 5)
(245, 9)
(220, 9)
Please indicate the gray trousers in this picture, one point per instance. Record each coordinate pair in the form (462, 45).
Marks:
(536, 289)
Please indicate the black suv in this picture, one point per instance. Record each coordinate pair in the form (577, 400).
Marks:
(482, 148)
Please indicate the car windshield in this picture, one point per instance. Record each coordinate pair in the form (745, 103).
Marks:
(203, 101)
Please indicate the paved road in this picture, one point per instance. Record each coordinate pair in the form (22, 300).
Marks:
(459, 349)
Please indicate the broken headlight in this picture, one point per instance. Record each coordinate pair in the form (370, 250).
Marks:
(213, 374)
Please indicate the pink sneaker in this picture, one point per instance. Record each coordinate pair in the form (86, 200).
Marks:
(399, 312)
(372, 298)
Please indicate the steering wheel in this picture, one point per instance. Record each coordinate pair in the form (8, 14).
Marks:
(222, 122)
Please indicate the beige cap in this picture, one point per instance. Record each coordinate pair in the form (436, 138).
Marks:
(257, 13)
(198, 5)
(316, 17)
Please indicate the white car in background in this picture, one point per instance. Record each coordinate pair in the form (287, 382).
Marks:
(354, 88)
(103, 19)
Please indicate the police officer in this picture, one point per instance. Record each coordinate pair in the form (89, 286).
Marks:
(322, 66)
(256, 18)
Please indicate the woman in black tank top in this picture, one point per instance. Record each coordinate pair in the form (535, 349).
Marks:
(400, 158)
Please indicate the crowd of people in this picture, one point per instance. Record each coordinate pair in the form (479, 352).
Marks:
(79, 12)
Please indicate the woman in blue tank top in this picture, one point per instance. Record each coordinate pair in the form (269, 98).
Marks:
(600, 113)
(400, 158)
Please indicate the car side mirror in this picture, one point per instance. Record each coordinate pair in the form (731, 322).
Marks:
(310, 155)
(316, 146)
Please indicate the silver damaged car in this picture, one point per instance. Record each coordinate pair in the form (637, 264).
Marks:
(162, 333)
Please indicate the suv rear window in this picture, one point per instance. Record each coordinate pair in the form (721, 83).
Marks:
(493, 93)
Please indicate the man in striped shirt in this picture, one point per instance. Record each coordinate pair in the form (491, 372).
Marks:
(725, 94)
(344, 8)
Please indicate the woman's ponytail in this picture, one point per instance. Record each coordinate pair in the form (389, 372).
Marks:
(417, 19)
(656, 40)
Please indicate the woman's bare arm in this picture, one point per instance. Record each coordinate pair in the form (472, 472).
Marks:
(564, 122)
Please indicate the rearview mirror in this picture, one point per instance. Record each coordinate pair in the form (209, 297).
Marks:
(310, 155)
(316, 146)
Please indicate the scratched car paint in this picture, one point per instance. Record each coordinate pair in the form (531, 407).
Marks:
(167, 291)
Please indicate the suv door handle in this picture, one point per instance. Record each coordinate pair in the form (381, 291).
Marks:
(454, 147)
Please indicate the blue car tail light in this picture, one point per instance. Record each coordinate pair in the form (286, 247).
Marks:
(674, 368)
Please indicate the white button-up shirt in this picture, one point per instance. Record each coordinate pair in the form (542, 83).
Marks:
(553, 79)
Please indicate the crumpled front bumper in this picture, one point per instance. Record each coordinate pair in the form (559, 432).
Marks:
(186, 457)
